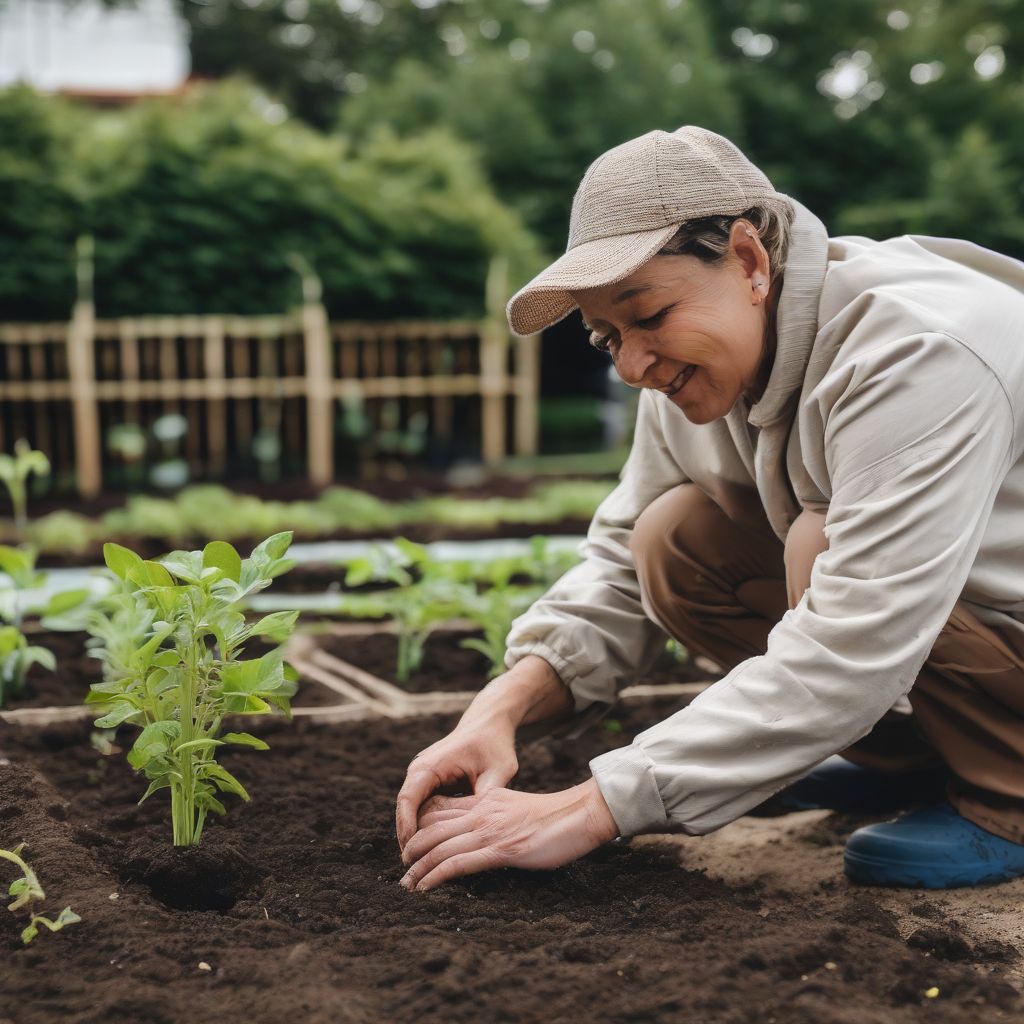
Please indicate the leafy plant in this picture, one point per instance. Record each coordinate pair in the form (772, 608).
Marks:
(26, 890)
(170, 639)
(417, 610)
(417, 607)
(17, 655)
(387, 564)
(494, 611)
(14, 473)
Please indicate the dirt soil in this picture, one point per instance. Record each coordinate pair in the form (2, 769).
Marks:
(77, 670)
(293, 905)
(447, 666)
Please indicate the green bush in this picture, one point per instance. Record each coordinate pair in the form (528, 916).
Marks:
(196, 203)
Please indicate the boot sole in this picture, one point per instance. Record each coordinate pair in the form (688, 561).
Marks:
(867, 870)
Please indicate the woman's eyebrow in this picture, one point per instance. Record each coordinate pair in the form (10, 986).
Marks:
(630, 292)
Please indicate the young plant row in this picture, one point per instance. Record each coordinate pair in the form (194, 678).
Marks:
(430, 592)
(18, 566)
(341, 510)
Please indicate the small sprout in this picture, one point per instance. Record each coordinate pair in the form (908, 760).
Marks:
(26, 891)
(931, 993)
(612, 725)
(102, 741)
(14, 472)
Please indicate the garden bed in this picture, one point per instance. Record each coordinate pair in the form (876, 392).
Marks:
(305, 917)
(76, 670)
(424, 512)
(447, 666)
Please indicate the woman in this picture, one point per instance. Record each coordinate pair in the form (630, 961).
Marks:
(825, 495)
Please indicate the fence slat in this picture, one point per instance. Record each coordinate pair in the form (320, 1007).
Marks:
(82, 371)
(216, 410)
(320, 407)
(306, 366)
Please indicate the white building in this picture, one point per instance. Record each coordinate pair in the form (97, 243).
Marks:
(87, 49)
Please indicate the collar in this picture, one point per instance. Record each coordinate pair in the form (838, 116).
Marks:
(796, 318)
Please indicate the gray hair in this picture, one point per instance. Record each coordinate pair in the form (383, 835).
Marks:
(707, 238)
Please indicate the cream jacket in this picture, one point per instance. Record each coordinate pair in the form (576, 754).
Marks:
(893, 403)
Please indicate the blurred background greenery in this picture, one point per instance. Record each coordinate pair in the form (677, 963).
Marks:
(399, 144)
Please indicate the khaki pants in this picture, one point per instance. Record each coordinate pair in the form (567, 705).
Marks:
(719, 588)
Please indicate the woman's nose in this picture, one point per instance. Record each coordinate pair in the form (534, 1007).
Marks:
(632, 362)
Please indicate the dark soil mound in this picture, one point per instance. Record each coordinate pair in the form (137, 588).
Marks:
(320, 930)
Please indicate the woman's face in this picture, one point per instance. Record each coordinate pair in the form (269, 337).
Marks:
(695, 331)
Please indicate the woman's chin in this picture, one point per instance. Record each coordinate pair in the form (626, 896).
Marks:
(696, 410)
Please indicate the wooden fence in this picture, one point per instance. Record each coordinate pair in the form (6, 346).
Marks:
(64, 385)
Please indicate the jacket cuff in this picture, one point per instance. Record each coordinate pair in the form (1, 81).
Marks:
(517, 652)
(626, 780)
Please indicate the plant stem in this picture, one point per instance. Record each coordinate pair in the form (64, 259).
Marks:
(183, 805)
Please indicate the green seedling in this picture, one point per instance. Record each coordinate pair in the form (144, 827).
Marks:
(416, 607)
(388, 564)
(417, 610)
(14, 473)
(494, 612)
(17, 655)
(170, 639)
(26, 890)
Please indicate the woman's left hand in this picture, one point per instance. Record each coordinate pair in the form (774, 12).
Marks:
(503, 828)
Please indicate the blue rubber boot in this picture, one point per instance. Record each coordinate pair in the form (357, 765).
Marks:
(841, 785)
(934, 848)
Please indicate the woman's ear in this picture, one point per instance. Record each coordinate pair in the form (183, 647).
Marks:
(752, 258)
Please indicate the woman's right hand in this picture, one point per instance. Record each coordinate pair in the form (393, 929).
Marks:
(482, 751)
(482, 747)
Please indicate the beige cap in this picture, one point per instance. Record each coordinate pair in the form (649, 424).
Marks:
(630, 202)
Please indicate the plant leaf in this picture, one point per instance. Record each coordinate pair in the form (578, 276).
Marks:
(198, 744)
(277, 625)
(40, 656)
(150, 574)
(155, 786)
(274, 546)
(153, 741)
(120, 711)
(224, 780)
(244, 739)
(221, 555)
(65, 601)
(120, 561)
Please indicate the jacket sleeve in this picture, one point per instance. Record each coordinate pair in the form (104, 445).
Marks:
(590, 626)
(919, 435)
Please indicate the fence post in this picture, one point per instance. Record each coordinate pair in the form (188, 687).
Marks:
(82, 376)
(494, 363)
(527, 423)
(214, 342)
(316, 337)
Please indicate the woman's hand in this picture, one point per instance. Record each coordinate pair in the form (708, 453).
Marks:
(502, 828)
(482, 749)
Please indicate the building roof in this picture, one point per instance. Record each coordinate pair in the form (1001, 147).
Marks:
(88, 50)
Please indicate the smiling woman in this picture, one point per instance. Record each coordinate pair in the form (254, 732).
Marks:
(697, 327)
(824, 496)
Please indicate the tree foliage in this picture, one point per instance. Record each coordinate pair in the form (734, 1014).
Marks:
(195, 207)
(876, 114)
(398, 118)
